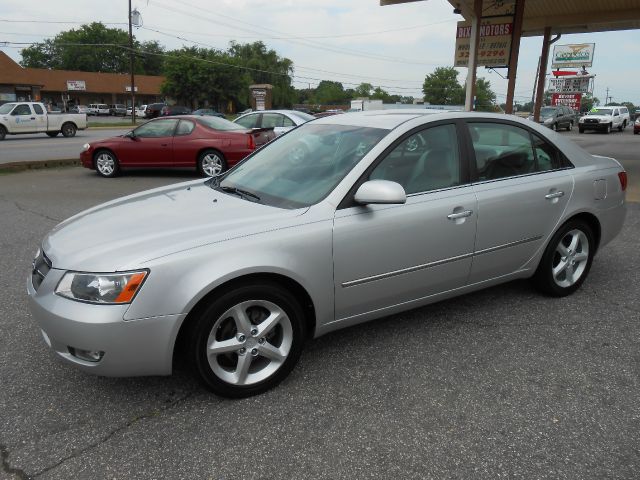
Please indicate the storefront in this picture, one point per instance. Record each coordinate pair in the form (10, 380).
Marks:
(65, 89)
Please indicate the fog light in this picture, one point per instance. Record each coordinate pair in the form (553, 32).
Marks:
(86, 355)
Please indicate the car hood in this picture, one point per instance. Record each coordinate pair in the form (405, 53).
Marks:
(126, 233)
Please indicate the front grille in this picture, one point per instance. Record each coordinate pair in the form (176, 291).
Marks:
(41, 266)
(591, 120)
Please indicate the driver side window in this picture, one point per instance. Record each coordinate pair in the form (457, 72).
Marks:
(427, 160)
(22, 109)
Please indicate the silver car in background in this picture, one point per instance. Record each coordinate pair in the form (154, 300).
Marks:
(280, 120)
(343, 220)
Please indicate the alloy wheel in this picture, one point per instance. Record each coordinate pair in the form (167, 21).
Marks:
(211, 164)
(570, 258)
(106, 164)
(249, 342)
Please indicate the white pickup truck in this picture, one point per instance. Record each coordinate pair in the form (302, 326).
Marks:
(32, 117)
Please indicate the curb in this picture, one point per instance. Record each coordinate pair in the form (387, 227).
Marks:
(38, 164)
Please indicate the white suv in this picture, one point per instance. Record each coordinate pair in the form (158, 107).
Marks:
(605, 119)
(98, 109)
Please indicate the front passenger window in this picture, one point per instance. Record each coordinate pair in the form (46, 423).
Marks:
(427, 160)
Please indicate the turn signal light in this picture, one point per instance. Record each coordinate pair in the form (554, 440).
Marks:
(623, 180)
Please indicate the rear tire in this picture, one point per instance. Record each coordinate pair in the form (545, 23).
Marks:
(53, 134)
(211, 163)
(570, 127)
(69, 130)
(246, 340)
(106, 163)
(567, 260)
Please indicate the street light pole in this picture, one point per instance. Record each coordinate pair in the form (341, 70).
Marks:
(133, 86)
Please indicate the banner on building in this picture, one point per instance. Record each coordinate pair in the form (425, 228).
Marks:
(576, 55)
(76, 85)
(494, 47)
(128, 88)
(571, 100)
(576, 84)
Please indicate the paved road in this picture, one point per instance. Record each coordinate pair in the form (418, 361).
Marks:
(20, 148)
(502, 383)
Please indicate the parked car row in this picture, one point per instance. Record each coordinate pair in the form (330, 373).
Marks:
(343, 220)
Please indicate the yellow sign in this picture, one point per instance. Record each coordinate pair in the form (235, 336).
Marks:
(495, 42)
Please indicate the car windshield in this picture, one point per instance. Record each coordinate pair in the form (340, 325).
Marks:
(600, 111)
(300, 168)
(547, 112)
(217, 123)
(7, 107)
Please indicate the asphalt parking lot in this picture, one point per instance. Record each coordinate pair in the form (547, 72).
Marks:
(503, 383)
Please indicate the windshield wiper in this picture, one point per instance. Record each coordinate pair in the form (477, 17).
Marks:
(239, 192)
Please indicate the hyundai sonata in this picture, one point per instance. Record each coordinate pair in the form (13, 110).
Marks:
(342, 220)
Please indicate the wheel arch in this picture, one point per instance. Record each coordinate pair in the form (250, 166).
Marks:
(204, 149)
(281, 280)
(101, 149)
(593, 222)
(67, 122)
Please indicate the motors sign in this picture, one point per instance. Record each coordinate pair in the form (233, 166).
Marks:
(575, 84)
(575, 55)
(494, 47)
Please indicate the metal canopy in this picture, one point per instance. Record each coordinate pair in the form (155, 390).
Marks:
(563, 16)
(570, 16)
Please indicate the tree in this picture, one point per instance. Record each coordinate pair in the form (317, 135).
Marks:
(200, 76)
(363, 90)
(265, 66)
(485, 98)
(442, 88)
(94, 48)
(330, 93)
(588, 102)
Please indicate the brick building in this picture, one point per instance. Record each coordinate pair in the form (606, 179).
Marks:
(66, 88)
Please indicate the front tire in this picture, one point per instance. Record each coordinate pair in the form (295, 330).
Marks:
(570, 127)
(3, 132)
(247, 340)
(608, 129)
(53, 134)
(554, 127)
(567, 260)
(211, 163)
(106, 163)
(580, 129)
(69, 130)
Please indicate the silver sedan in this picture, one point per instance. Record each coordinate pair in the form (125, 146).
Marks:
(340, 221)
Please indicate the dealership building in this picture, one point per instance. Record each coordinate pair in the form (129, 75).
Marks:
(65, 88)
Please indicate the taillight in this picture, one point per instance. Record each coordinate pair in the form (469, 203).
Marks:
(623, 180)
(251, 143)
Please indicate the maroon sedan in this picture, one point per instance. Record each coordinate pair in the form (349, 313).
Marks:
(210, 144)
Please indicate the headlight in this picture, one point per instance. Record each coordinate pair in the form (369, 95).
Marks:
(604, 120)
(104, 288)
(86, 147)
(548, 120)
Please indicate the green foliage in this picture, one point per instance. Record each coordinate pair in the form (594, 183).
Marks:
(94, 48)
(330, 93)
(442, 88)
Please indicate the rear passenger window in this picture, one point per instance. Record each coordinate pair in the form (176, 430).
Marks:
(38, 109)
(507, 151)
(427, 160)
(287, 122)
(184, 127)
(249, 121)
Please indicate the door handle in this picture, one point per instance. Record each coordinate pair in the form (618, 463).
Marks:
(33, 118)
(164, 144)
(551, 196)
(463, 214)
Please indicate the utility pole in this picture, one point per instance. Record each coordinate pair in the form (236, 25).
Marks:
(606, 99)
(133, 86)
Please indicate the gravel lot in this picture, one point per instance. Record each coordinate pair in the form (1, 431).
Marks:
(502, 383)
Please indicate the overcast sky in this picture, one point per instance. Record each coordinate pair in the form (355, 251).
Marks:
(343, 40)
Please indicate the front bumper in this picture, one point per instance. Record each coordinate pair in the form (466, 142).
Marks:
(593, 126)
(86, 158)
(131, 348)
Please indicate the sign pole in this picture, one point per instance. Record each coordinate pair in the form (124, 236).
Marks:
(513, 58)
(473, 55)
(133, 87)
(544, 60)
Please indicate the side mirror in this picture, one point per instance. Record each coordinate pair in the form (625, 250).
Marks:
(380, 192)
(131, 135)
